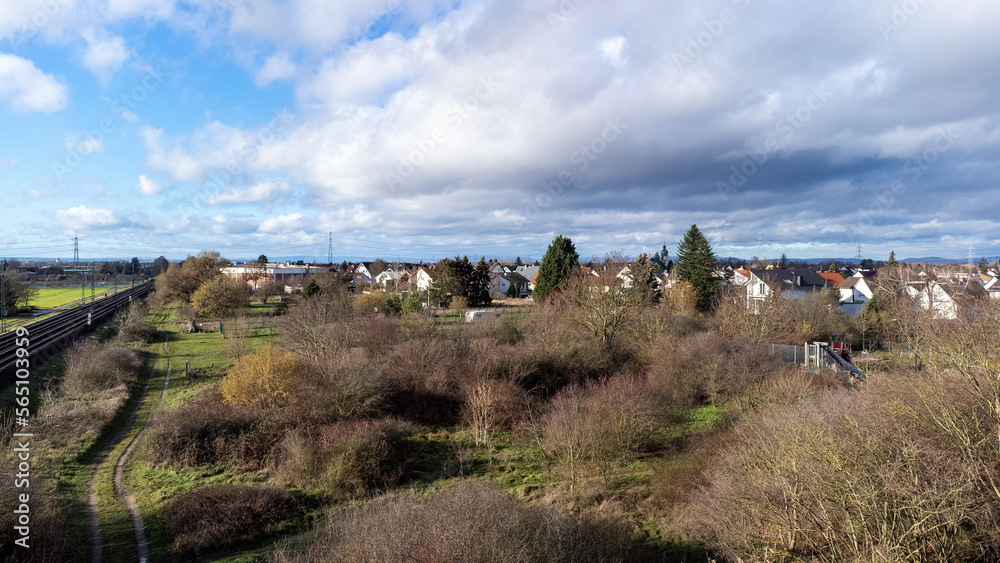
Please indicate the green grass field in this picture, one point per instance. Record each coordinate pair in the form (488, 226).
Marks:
(49, 297)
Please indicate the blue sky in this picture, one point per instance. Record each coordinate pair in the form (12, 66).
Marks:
(418, 129)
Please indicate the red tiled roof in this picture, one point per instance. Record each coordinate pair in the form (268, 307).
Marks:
(834, 278)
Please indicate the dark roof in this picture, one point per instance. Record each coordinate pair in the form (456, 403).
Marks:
(514, 277)
(785, 278)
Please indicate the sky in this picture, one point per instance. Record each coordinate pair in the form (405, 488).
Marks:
(420, 129)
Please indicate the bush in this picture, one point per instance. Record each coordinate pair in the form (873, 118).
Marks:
(221, 515)
(492, 405)
(93, 367)
(133, 327)
(412, 304)
(425, 380)
(609, 421)
(345, 459)
(471, 521)
(208, 430)
(847, 476)
(377, 334)
(709, 369)
(262, 380)
(339, 389)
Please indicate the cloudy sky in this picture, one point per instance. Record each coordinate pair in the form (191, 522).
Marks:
(418, 129)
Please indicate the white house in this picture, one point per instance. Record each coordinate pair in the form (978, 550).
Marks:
(422, 279)
(361, 274)
(945, 299)
(790, 283)
(392, 279)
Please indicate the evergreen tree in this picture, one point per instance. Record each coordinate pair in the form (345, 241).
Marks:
(518, 263)
(892, 259)
(412, 303)
(512, 292)
(696, 265)
(644, 279)
(479, 285)
(984, 266)
(560, 260)
(784, 261)
(451, 279)
(311, 288)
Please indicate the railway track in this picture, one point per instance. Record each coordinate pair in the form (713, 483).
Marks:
(43, 334)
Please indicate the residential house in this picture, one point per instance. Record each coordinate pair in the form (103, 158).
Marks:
(790, 283)
(393, 279)
(529, 273)
(854, 291)
(422, 279)
(946, 300)
(500, 284)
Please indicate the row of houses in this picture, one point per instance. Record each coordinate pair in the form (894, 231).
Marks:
(397, 276)
(944, 292)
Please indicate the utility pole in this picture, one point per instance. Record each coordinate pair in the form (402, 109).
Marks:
(329, 251)
(860, 254)
(3, 296)
(970, 254)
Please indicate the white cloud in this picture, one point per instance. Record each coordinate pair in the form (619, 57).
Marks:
(25, 88)
(103, 56)
(283, 224)
(276, 67)
(147, 186)
(263, 190)
(82, 217)
(84, 143)
(613, 50)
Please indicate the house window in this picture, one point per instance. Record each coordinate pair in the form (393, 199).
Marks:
(761, 291)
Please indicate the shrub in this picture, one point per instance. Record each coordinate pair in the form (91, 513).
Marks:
(412, 303)
(339, 389)
(425, 380)
(221, 515)
(470, 521)
(378, 301)
(846, 476)
(708, 369)
(132, 325)
(345, 459)
(208, 430)
(92, 366)
(377, 334)
(492, 405)
(262, 380)
(608, 421)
